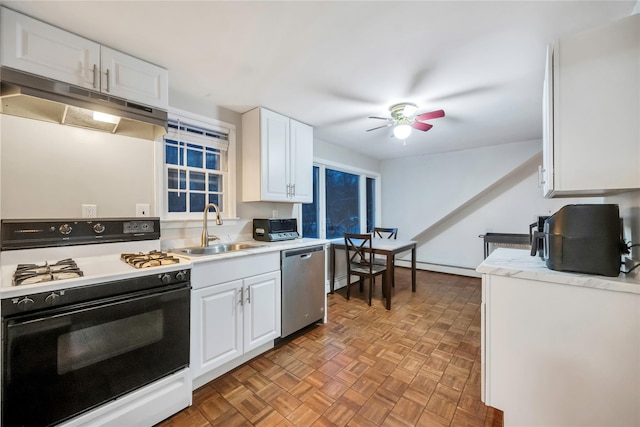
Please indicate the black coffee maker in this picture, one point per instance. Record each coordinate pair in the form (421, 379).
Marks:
(583, 239)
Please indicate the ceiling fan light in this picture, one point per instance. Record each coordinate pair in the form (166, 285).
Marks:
(409, 110)
(402, 131)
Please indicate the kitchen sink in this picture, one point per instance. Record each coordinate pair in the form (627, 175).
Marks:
(217, 249)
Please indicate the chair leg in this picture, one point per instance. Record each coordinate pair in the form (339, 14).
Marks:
(348, 287)
(361, 282)
(372, 283)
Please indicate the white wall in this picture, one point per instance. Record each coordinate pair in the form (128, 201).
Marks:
(335, 153)
(629, 204)
(49, 170)
(446, 201)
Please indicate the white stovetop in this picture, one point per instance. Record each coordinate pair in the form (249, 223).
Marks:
(519, 263)
(98, 263)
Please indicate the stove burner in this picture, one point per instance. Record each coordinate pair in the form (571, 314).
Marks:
(29, 274)
(151, 259)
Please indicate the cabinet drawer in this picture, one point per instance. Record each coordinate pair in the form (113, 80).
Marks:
(225, 270)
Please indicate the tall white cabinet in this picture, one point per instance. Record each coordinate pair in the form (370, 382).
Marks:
(277, 158)
(44, 50)
(592, 112)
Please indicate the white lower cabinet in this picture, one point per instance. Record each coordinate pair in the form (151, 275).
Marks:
(560, 355)
(231, 319)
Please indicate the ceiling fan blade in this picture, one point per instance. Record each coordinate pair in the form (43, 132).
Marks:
(421, 126)
(381, 118)
(431, 115)
(380, 127)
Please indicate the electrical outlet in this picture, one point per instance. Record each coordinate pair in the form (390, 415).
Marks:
(89, 211)
(142, 209)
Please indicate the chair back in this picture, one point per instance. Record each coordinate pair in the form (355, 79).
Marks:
(358, 250)
(388, 233)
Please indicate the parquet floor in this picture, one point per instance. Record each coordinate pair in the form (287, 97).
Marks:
(416, 365)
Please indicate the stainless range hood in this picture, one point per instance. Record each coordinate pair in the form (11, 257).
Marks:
(27, 95)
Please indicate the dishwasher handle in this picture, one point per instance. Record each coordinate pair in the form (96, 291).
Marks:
(304, 252)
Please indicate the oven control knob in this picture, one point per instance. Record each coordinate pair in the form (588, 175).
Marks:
(166, 278)
(25, 303)
(181, 276)
(65, 229)
(52, 299)
(98, 228)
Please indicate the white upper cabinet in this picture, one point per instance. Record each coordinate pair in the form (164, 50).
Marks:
(277, 158)
(301, 170)
(35, 47)
(42, 49)
(131, 78)
(592, 112)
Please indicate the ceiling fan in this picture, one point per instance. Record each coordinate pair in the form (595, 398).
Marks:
(403, 117)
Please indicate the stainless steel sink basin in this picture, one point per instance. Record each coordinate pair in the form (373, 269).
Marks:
(217, 249)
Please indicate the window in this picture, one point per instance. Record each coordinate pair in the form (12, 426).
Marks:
(195, 168)
(342, 197)
(345, 201)
(310, 210)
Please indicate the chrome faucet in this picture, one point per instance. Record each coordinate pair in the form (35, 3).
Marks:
(204, 241)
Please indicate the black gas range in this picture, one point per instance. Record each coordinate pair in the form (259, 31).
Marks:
(93, 313)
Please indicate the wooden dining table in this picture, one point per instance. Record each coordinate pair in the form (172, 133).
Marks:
(386, 247)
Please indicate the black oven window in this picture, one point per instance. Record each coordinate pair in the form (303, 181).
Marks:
(84, 347)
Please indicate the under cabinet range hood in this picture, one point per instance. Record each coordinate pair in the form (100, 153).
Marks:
(27, 95)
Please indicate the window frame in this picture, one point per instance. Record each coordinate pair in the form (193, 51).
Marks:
(228, 170)
(362, 211)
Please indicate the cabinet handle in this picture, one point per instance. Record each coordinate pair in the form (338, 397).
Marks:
(248, 295)
(288, 190)
(293, 190)
(541, 181)
(107, 73)
(242, 296)
(95, 76)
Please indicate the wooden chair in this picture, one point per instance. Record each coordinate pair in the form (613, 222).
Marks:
(385, 233)
(360, 262)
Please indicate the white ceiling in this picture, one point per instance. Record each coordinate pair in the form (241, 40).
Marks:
(332, 64)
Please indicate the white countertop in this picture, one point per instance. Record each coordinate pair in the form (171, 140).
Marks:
(519, 263)
(101, 268)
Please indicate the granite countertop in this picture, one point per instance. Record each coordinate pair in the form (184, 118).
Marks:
(519, 263)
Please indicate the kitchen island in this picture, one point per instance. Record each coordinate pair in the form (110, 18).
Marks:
(559, 348)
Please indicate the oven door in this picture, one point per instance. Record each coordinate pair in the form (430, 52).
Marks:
(62, 362)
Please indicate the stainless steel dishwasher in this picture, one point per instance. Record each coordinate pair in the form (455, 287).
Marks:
(303, 293)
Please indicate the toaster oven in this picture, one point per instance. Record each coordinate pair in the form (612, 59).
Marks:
(275, 229)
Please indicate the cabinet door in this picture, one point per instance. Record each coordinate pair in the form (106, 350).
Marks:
(546, 173)
(216, 326)
(597, 110)
(301, 162)
(274, 133)
(134, 79)
(261, 309)
(35, 47)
